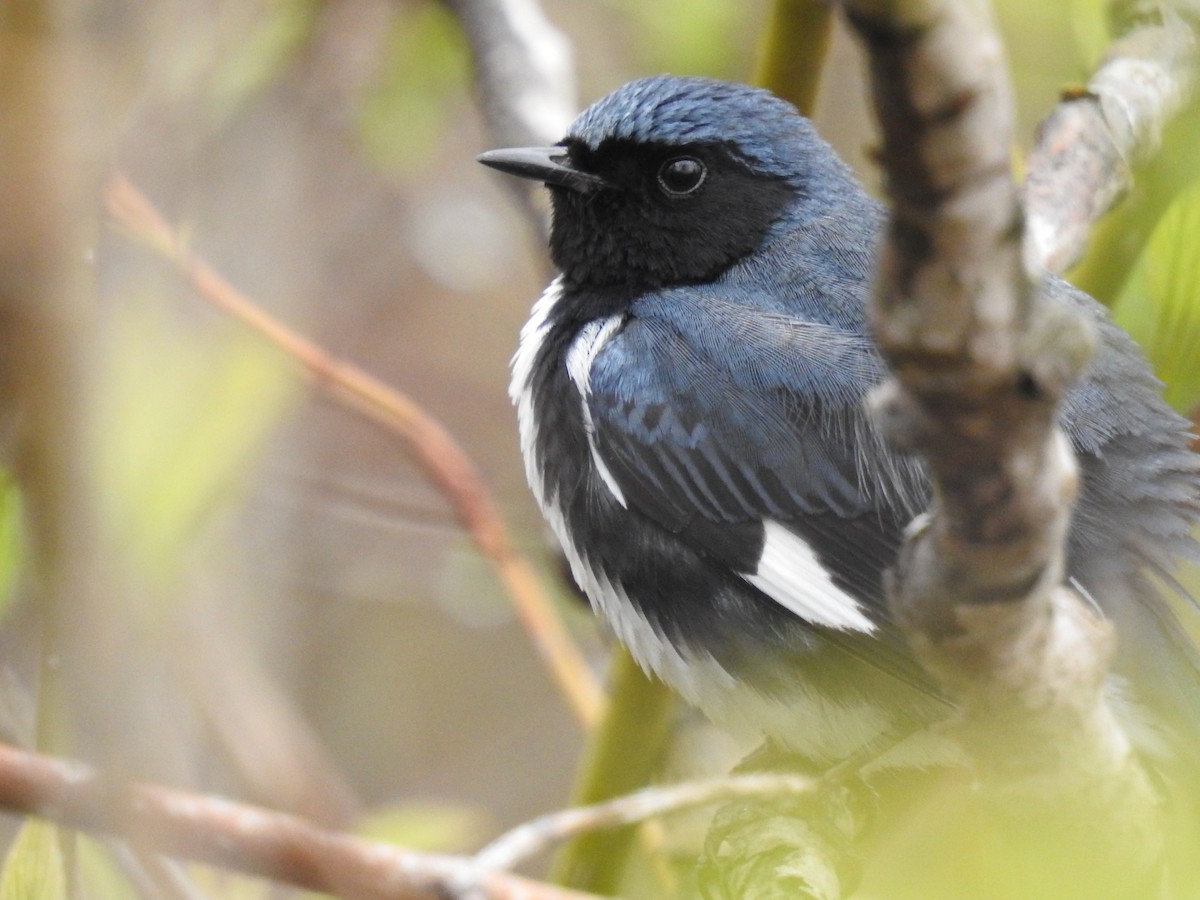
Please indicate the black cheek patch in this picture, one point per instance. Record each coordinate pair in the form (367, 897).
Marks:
(640, 236)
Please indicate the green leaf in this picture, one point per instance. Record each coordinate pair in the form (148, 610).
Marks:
(698, 37)
(34, 869)
(261, 53)
(99, 873)
(1160, 304)
(183, 414)
(793, 51)
(1089, 21)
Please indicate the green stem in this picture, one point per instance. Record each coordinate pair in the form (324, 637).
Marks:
(794, 47)
(621, 756)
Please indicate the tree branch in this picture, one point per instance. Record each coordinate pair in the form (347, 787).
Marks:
(524, 74)
(1082, 162)
(524, 82)
(980, 363)
(246, 838)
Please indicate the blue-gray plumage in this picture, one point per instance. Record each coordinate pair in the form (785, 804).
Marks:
(690, 397)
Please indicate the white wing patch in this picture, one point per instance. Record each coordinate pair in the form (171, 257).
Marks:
(580, 356)
(791, 575)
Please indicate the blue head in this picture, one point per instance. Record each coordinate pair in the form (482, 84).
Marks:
(671, 180)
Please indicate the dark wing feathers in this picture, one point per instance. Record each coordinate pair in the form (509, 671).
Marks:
(745, 416)
(1141, 481)
(738, 415)
(709, 427)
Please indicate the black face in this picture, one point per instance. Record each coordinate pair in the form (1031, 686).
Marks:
(669, 215)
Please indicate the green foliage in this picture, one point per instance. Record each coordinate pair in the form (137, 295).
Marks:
(402, 119)
(99, 873)
(260, 53)
(1119, 238)
(623, 753)
(34, 869)
(12, 538)
(225, 59)
(1049, 47)
(686, 37)
(1160, 305)
(1089, 22)
(182, 414)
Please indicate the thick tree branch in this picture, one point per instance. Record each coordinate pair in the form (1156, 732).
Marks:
(246, 838)
(1082, 161)
(980, 363)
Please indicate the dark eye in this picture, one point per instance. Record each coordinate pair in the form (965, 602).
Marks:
(681, 175)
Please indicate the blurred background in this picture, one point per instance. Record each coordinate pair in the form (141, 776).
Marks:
(303, 621)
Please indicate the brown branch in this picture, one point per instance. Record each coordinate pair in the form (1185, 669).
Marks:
(435, 450)
(980, 363)
(246, 838)
(1082, 162)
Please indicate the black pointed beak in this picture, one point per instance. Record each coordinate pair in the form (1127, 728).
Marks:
(549, 164)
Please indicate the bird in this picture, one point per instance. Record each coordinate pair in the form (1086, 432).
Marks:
(690, 393)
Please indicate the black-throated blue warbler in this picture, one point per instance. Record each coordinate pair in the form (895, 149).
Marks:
(690, 400)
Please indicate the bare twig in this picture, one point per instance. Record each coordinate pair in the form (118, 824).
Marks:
(539, 835)
(245, 838)
(979, 367)
(1082, 161)
(437, 452)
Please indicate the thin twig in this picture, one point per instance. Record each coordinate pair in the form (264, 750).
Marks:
(539, 835)
(432, 446)
(246, 838)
